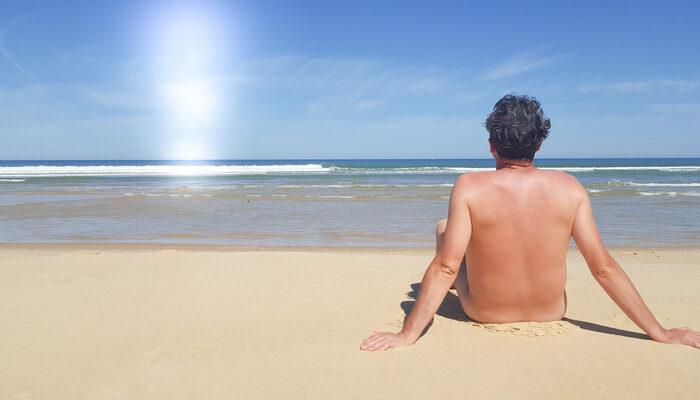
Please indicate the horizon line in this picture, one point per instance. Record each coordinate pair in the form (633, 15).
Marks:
(341, 159)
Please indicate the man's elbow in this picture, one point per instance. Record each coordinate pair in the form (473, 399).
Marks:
(606, 271)
(447, 269)
(603, 266)
(603, 273)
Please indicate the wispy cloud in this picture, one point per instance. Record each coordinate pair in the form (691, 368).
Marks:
(350, 74)
(288, 87)
(34, 102)
(112, 98)
(676, 108)
(346, 103)
(642, 86)
(345, 84)
(521, 63)
(6, 54)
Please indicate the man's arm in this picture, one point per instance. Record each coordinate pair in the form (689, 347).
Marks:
(438, 278)
(615, 282)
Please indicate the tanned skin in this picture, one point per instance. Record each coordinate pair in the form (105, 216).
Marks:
(504, 247)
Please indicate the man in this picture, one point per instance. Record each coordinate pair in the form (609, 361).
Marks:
(506, 237)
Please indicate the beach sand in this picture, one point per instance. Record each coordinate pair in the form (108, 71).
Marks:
(139, 322)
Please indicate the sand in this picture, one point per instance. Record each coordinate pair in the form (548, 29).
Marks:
(130, 322)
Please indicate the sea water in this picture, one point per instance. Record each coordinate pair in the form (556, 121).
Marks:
(316, 203)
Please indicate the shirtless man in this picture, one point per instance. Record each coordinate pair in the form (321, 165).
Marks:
(505, 240)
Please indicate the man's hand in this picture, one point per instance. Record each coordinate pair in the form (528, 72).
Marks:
(380, 341)
(681, 336)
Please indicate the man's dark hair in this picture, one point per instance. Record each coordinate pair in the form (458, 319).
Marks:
(517, 127)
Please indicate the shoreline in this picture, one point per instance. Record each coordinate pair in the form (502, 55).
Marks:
(343, 205)
(195, 247)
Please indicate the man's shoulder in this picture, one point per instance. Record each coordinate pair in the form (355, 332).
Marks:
(558, 175)
(469, 179)
(563, 181)
(563, 176)
(472, 182)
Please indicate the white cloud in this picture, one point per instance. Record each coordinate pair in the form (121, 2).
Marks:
(642, 86)
(523, 62)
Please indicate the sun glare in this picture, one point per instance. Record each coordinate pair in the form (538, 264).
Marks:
(190, 101)
(184, 44)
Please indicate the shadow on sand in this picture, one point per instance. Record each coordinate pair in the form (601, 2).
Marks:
(452, 309)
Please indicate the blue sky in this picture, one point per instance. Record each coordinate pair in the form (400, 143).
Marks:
(144, 80)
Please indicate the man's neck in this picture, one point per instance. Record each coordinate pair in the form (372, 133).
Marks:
(514, 164)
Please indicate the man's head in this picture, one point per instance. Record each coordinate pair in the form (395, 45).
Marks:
(517, 127)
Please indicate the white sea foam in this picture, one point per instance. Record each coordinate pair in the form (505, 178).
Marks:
(689, 168)
(330, 197)
(279, 169)
(654, 184)
(158, 170)
(459, 170)
(670, 194)
(333, 186)
(321, 186)
(12, 180)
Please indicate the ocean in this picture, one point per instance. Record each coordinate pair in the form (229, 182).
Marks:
(641, 202)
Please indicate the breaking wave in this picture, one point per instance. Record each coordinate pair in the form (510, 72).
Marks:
(17, 172)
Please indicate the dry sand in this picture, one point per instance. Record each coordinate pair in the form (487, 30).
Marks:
(98, 322)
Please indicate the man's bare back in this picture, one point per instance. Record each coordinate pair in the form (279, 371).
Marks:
(521, 220)
(511, 227)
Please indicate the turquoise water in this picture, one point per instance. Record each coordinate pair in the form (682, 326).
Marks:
(334, 203)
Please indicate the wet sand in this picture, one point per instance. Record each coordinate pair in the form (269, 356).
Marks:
(148, 322)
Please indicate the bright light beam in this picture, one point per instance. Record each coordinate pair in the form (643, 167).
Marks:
(184, 43)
